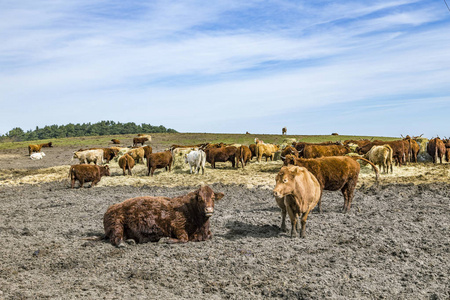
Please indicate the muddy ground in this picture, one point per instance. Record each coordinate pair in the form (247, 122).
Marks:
(394, 243)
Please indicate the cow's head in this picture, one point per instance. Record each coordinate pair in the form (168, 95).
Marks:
(104, 170)
(289, 160)
(50, 144)
(205, 200)
(285, 181)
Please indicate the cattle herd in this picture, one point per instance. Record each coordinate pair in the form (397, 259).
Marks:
(309, 168)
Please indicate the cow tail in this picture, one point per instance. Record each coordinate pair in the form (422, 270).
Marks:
(373, 167)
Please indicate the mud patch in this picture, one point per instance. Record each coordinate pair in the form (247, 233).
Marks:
(393, 244)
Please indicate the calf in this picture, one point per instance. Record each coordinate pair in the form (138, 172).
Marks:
(333, 173)
(159, 160)
(244, 155)
(126, 162)
(85, 173)
(223, 154)
(297, 192)
(148, 219)
(196, 159)
(37, 156)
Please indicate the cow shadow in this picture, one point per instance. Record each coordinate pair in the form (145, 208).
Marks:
(238, 229)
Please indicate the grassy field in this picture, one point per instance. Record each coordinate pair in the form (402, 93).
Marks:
(187, 139)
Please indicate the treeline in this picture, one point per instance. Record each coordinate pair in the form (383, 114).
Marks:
(85, 129)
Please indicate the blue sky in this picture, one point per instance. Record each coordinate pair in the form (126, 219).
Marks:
(317, 67)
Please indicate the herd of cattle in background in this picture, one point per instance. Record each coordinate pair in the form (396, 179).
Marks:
(309, 168)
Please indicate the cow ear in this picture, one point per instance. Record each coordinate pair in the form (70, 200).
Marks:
(219, 196)
(296, 171)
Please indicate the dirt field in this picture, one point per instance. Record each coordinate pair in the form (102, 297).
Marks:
(394, 243)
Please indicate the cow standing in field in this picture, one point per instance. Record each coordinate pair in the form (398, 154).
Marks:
(316, 151)
(297, 192)
(88, 156)
(266, 150)
(126, 162)
(139, 140)
(223, 154)
(244, 155)
(86, 173)
(400, 149)
(196, 159)
(333, 173)
(159, 160)
(252, 148)
(382, 156)
(283, 131)
(148, 219)
(436, 148)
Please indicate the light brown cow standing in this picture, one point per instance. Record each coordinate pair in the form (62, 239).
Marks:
(382, 156)
(297, 192)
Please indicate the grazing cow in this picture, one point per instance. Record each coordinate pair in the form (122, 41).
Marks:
(196, 159)
(138, 140)
(382, 156)
(138, 154)
(300, 146)
(436, 148)
(252, 148)
(108, 153)
(243, 155)
(335, 133)
(159, 160)
(148, 219)
(315, 151)
(88, 156)
(126, 162)
(284, 131)
(37, 148)
(333, 173)
(247, 132)
(266, 150)
(85, 173)
(297, 192)
(224, 154)
(289, 150)
(115, 141)
(37, 156)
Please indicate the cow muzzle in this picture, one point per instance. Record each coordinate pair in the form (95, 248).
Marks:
(209, 211)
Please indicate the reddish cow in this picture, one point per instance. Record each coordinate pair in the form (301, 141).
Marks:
(126, 162)
(243, 155)
(159, 160)
(252, 148)
(297, 192)
(147, 151)
(115, 141)
(400, 149)
(315, 151)
(224, 154)
(148, 219)
(37, 148)
(333, 173)
(84, 173)
(436, 148)
(141, 141)
(289, 150)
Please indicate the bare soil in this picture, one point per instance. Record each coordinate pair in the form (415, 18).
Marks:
(394, 243)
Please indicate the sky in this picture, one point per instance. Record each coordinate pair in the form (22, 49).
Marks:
(379, 68)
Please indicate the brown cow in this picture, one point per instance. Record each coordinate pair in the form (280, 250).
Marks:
(436, 148)
(108, 153)
(289, 150)
(148, 219)
(315, 151)
(37, 148)
(243, 155)
(266, 150)
(126, 162)
(159, 160)
(284, 131)
(400, 149)
(115, 141)
(224, 154)
(147, 151)
(138, 140)
(413, 147)
(333, 173)
(84, 173)
(335, 133)
(297, 192)
(252, 148)
(300, 146)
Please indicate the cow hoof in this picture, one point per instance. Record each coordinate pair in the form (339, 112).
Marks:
(121, 245)
(131, 242)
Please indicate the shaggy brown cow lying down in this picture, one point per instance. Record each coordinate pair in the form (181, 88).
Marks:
(148, 219)
(297, 192)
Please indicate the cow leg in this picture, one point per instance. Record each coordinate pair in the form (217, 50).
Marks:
(348, 191)
(303, 221)
(280, 202)
(294, 219)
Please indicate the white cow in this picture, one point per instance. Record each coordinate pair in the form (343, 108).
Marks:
(37, 155)
(88, 156)
(196, 158)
